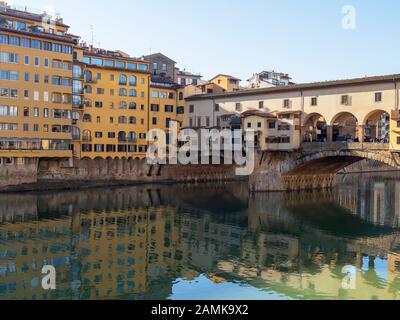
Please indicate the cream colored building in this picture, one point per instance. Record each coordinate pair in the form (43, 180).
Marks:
(355, 110)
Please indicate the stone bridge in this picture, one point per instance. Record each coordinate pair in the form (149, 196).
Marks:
(315, 165)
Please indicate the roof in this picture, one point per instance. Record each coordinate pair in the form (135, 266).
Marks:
(301, 87)
(29, 16)
(158, 54)
(258, 113)
(186, 73)
(226, 76)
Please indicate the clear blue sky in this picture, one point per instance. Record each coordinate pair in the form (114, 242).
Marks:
(238, 37)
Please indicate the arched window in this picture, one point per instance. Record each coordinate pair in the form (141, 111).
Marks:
(132, 120)
(122, 92)
(86, 135)
(88, 89)
(87, 118)
(122, 104)
(132, 105)
(132, 80)
(88, 76)
(122, 80)
(132, 93)
(121, 136)
(122, 119)
(132, 136)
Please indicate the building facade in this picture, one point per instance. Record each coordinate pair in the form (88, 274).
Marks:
(357, 110)
(36, 63)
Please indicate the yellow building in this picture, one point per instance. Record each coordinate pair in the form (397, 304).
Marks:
(36, 55)
(279, 131)
(226, 82)
(114, 123)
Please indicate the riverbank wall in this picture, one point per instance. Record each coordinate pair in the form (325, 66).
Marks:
(49, 174)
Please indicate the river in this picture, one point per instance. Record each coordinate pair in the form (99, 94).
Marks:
(204, 242)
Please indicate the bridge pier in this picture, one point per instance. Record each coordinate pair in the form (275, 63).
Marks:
(315, 166)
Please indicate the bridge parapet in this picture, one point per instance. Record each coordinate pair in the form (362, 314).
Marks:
(311, 147)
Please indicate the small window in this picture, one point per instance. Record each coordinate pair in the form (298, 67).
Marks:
(378, 97)
(286, 103)
(314, 101)
(191, 108)
(216, 107)
(398, 140)
(345, 100)
(238, 107)
(261, 104)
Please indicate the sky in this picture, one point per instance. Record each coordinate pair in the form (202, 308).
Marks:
(304, 38)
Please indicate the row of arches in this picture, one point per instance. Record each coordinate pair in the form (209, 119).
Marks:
(346, 127)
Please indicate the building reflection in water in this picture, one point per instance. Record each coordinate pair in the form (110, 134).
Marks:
(139, 243)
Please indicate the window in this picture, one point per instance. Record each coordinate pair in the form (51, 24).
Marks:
(180, 110)
(36, 112)
(238, 107)
(164, 67)
(111, 135)
(155, 66)
(261, 105)
(26, 111)
(314, 101)
(271, 125)
(26, 127)
(191, 108)
(109, 63)
(132, 80)
(398, 140)
(98, 135)
(249, 125)
(286, 103)
(154, 120)
(37, 61)
(26, 77)
(154, 94)
(122, 92)
(132, 93)
(36, 78)
(132, 120)
(132, 105)
(46, 62)
(26, 60)
(98, 104)
(378, 97)
(169, 108)
(155, 107)
(122, 80)
(122, 120)
(345, 100)
(398, 124)
(120, 64)
(216, 107)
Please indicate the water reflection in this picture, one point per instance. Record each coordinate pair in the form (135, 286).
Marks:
(180, 242)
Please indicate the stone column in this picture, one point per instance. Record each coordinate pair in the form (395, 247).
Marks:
(329, 132)
(361, 133)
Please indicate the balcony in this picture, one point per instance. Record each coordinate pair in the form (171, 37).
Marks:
(77, 105)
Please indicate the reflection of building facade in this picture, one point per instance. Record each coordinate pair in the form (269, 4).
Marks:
(135, 243)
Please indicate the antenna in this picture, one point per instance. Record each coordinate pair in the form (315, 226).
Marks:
(92, 33)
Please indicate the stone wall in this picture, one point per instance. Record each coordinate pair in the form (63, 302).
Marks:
(102, 172)
(18, 173)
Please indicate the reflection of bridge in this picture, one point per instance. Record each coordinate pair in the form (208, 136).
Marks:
(315, 166)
